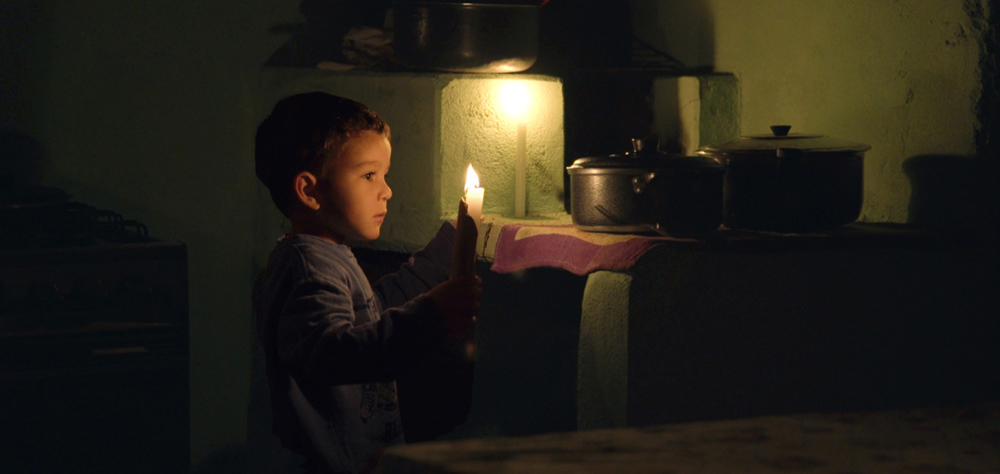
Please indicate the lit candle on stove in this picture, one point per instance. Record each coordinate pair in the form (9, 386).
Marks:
(515, 100)
(473, 195)
(520, 170)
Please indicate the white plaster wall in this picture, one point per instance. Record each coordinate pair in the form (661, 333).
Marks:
(475, 129)
(901, 76)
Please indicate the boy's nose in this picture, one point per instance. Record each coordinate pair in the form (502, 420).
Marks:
(387, 192)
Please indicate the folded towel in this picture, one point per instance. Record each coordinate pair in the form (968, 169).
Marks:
(563, 246)
(521, 246)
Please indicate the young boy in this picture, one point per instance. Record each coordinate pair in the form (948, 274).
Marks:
(334, 345)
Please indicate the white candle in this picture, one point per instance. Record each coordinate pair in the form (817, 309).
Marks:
(515, 97)
(520, 169)
(473, 196)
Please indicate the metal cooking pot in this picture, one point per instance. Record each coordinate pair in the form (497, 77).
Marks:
(465, 37)
(790, 182)
(646, 190)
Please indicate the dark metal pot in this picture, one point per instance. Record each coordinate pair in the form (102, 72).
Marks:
(646, 190)
(465, 37)
(790, 182)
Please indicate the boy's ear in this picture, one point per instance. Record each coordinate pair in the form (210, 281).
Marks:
(305, 190)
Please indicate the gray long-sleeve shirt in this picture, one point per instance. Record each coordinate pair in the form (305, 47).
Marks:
(333, 345)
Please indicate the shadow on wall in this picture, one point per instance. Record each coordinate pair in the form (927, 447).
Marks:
(230, 459)
(583, 34)
(690, 35)
(21, 161)
(24, 42)
(953, 192)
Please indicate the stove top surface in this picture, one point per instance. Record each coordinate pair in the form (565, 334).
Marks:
(66, 225)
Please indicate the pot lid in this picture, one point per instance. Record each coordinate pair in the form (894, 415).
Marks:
(779, 138)
(645, 155)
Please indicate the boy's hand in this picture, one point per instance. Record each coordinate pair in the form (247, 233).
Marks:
(458, 301)
(464, 264)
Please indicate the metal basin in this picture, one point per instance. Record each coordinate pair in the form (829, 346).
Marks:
(465, 37)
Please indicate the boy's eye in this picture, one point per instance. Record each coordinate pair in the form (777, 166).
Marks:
(368, 176)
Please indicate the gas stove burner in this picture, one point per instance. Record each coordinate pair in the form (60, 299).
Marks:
(66, 224)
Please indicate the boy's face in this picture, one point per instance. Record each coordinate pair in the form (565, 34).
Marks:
(353, 191)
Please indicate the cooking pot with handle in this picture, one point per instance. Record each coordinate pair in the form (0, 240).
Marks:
(645, 191)
(786, 182)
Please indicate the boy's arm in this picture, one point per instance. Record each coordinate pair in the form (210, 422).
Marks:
(318, 339)
(423, 271)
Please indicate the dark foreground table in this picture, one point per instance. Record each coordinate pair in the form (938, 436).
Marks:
(965, 440)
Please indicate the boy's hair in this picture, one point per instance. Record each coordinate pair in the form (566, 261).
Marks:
(301, 132)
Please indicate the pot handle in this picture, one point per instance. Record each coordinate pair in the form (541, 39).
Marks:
(659, 230)
(789, 153)
(610, 215)
(788, 164)
(639, 182)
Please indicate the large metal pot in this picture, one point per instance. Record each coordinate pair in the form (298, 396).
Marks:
(465, 37)
(646, 190)
(785, 182)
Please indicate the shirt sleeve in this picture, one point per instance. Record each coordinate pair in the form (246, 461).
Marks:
(424, 270)
(318, 337)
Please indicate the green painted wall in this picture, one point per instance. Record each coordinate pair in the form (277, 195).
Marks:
(602, 369)
(901, 76)
(146, 108)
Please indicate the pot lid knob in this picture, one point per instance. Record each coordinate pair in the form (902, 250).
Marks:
(780, 130)
(645, 146)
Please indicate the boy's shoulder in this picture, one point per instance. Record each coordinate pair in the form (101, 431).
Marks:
(310, 254)
(310, 247)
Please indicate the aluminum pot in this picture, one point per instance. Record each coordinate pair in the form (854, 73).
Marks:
(785, 182)
(465, 37)
(646, 191)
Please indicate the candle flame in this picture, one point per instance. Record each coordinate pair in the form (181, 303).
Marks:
(514, 97)
(471, 179)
